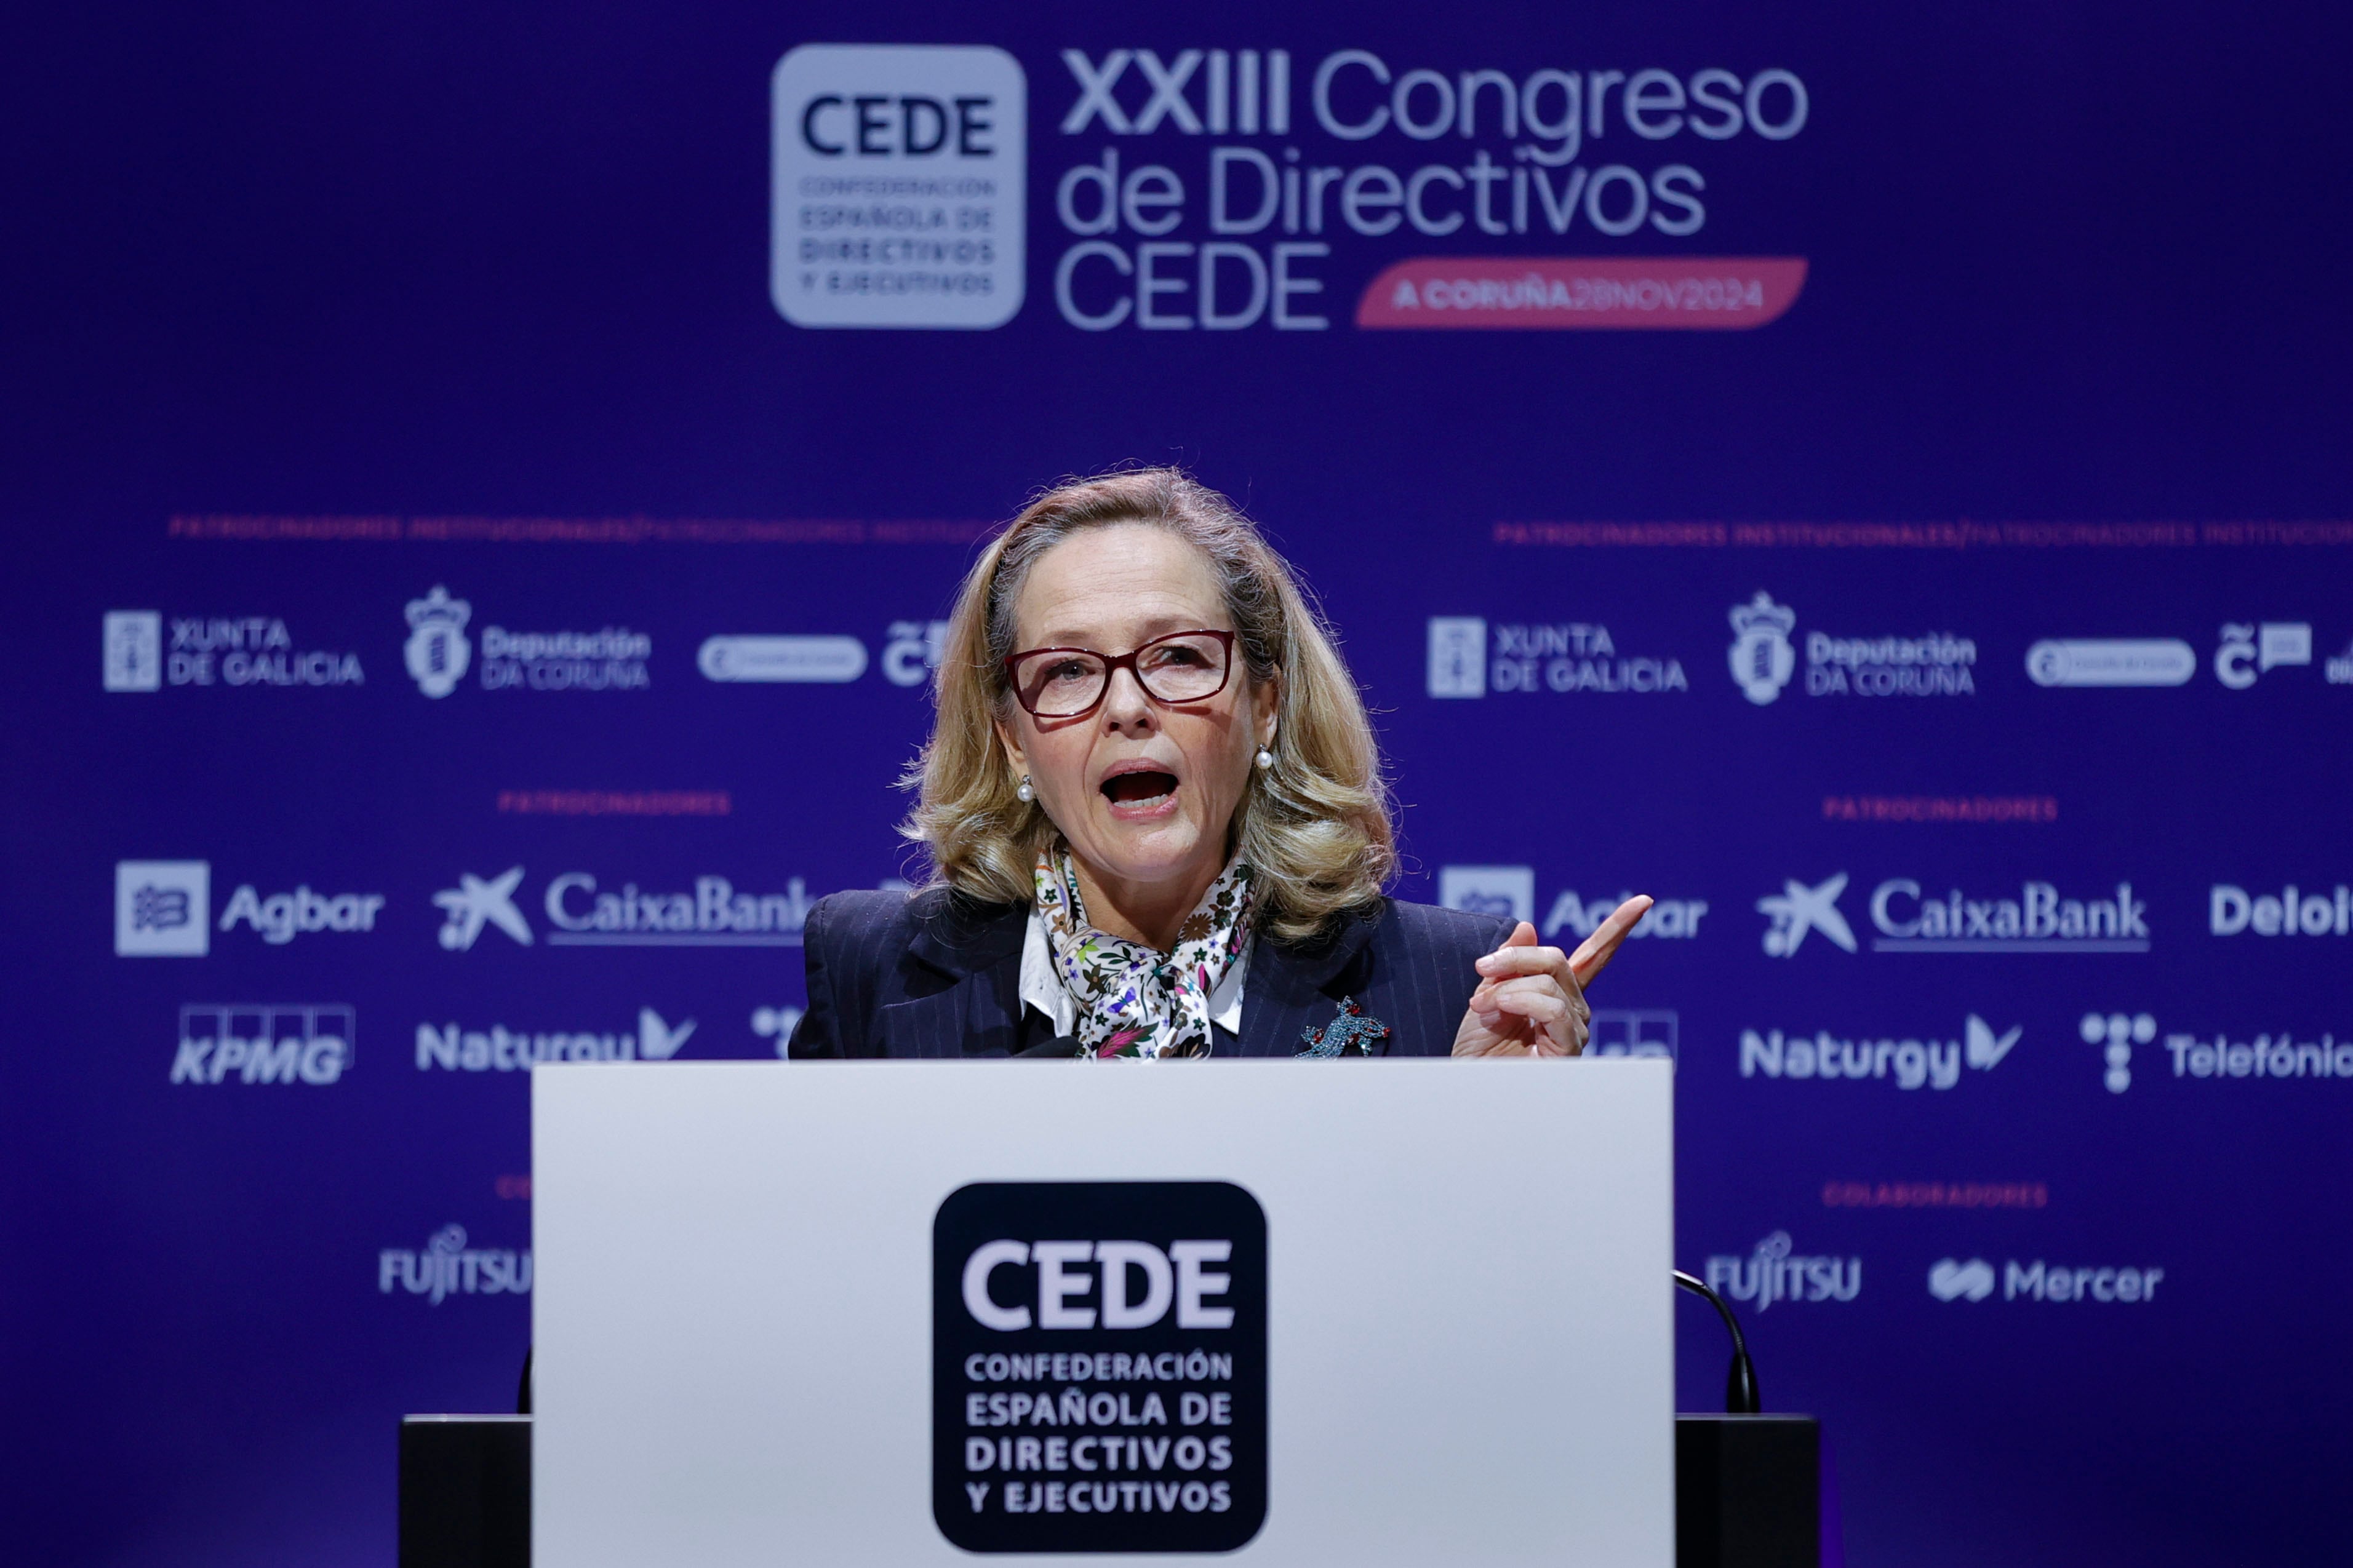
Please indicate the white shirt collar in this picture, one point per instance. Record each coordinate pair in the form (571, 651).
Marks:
(1042, 988)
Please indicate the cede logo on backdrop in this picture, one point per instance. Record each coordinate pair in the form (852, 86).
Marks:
(264, 1043)
(1099, 1372)
(2247, 651)
(898, 185)
(217, 650)
(1561, 655)
(2039, 920)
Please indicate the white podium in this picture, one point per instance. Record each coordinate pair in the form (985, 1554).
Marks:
(1384, 1312)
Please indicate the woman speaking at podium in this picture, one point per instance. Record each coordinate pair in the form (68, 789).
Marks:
(1155, 812)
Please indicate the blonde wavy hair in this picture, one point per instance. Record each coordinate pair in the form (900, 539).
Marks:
(1315, 826)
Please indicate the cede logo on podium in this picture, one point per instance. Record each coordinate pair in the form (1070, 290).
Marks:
(1099, 1366)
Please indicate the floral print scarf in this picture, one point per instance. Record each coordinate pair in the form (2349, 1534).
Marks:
(1132, 1000)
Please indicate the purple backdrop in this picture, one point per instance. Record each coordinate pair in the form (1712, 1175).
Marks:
(1885, 505)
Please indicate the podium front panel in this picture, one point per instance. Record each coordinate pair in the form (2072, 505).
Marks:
(1290, 1312)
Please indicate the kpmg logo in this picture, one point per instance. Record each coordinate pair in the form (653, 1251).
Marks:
(1910, 1063)
(1099, 1366)
(1762, 659)
(475, 904)
(264, 1043)
(2248, 650)
(2232, 909)
(437, 653)
(1635, 1032)
(447, 1266)
(1951, 1279)
(1774, 1272)
(1908, 919)
(500, 1049)
(1564, 657)
(162, 909)
(1511, 891)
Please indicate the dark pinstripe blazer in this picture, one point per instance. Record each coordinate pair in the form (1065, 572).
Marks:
(934, 974)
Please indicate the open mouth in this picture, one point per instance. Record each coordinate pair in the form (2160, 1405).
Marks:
(1138, 788)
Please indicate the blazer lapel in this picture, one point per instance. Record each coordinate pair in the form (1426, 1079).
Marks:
(1291, 989)
(975, 951)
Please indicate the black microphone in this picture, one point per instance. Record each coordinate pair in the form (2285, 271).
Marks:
(1740, 1396)
(1059, 1046)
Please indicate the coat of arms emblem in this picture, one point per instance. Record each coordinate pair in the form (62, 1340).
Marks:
(1762, 658)
(437, 651)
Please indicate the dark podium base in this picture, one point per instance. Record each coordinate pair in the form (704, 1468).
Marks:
(465, 1492)
(1747, 1491)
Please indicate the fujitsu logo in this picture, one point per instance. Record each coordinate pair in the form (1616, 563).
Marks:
(1774, 1272)
(447, 1266)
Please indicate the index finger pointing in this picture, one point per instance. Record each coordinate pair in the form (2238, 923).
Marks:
(1594, 953)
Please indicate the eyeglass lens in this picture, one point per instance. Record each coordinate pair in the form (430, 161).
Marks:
(1061, 682)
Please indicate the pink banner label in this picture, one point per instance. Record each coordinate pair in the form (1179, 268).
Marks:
(1566, 292)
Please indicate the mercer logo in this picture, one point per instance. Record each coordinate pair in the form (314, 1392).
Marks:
(1912, 1063)
(1953, 1280)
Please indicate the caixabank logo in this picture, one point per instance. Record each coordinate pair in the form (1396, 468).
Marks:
(1098, 1368)
(1236, 185)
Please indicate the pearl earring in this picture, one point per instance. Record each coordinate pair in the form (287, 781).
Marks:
(1025, 794)
(1265, 758)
